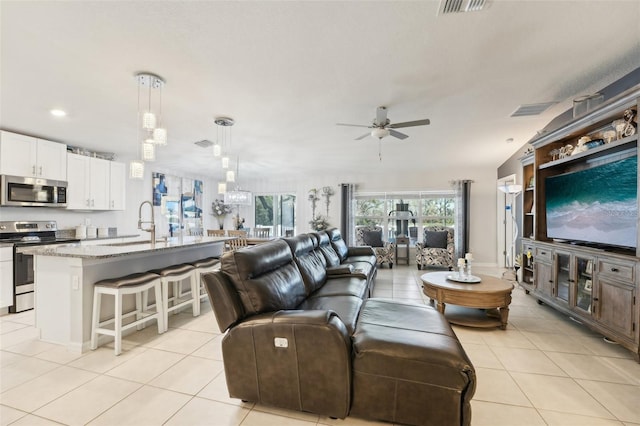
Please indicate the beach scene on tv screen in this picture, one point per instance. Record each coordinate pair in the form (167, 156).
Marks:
(597, 205)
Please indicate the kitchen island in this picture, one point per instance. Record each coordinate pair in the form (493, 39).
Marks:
(65, 275)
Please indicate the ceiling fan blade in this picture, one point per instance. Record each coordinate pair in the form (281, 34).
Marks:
(359, 138)
(410, 124)
(397, 134)
(352, 125)
(381, 116)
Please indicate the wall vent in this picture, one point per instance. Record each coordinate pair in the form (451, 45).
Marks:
(457, 6)
(204, 143)
(531, 109)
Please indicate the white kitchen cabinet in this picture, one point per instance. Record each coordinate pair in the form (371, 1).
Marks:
(88, 183)
(6, 276)
(27, 156)
(117, 190)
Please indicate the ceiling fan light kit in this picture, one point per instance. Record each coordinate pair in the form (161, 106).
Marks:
(379, 132)
(382, 127)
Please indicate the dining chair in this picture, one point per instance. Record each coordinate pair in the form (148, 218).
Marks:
(237, 233)
(262, 232)
(215, 232)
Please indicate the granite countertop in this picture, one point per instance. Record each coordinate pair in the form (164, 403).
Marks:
(122, 249)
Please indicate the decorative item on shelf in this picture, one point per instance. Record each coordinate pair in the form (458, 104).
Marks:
(148, 124)
(631, 119)
(532, 182)
(554, 153)
(565, 151)
(619, 125)
(609, 136)
(528, 151)
(220, 211)
(580, 146)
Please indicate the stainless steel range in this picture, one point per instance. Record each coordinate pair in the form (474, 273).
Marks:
(21, 235)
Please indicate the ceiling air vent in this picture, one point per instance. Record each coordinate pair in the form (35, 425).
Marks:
(204, 143)
(456, 6)
(531, 109)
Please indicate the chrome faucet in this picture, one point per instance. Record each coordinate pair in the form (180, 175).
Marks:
(152, 227)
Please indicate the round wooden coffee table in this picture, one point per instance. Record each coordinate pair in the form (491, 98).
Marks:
(489, 299)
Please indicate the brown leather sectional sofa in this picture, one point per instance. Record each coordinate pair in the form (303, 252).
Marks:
(302, 334)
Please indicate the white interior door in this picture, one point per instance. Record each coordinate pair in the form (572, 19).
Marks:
(506, 226)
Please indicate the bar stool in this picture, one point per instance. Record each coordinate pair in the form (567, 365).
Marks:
(138, 284)
(204, 266)
(175, 274)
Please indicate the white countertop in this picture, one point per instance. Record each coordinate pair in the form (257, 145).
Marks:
(122, 249)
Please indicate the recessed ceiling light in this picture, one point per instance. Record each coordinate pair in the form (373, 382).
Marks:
(510, 140)
(58, 113)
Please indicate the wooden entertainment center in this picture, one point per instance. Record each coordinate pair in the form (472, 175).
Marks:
(595, 284)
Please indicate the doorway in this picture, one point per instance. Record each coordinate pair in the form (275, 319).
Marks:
(506, 225)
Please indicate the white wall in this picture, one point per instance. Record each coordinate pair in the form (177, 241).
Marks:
(483, 239)
(483, 201)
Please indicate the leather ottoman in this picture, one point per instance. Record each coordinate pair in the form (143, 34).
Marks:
(409, 367)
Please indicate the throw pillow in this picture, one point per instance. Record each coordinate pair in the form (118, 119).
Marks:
(435, 239)
(373, 238)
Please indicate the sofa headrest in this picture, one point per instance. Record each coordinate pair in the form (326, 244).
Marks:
(323, 238)
(334, 234)
(300, 244)
(259, 259)
(265, 277)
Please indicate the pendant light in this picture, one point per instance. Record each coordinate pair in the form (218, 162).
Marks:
(149, 133)
(225, 123)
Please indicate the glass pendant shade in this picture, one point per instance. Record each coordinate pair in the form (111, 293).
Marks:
(231, 176)
(148, 151)
(217, 150)
(148, 120)
(225, 162)
(222, 187)
(160, 136)
(136, 169)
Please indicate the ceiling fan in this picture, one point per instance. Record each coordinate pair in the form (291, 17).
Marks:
(382, 127)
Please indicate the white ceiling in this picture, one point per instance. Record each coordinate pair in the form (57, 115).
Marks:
(288, 71)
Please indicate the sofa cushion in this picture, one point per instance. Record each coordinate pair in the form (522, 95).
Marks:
(343, 286)
(324, 245)
(346, 307)
(338, 244)
(435, 239)
(410, 351)
(266, 277)
(373, 238)
(311, 263)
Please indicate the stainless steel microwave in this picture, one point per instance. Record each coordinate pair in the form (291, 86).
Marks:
(32, 192)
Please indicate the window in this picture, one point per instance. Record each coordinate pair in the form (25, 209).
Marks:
(405, 213)
(277, 212)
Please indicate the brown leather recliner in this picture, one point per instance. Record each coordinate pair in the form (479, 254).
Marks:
(271, 348)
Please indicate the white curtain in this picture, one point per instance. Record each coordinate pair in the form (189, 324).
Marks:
(347, 218)
(462, 190)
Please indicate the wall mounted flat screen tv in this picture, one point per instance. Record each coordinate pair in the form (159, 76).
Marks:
(596, 205)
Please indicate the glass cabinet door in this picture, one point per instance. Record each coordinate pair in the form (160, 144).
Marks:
(563, 276)
(584, 280)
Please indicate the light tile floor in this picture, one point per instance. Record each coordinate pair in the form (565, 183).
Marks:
(545, 369)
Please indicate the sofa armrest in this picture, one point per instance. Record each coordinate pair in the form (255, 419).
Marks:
(360, 251)
(419, 246)
(274, 359)
(340, 270)
(345, 270)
